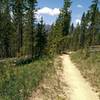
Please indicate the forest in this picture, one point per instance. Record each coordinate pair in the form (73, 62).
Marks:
(25, 42)
(21, 34)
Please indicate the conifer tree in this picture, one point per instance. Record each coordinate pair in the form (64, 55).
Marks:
(41, 39)
(83, 31)
(72, 28)
(6, 30)
(60, 29)
(66, 17)
(93, 12)
(31, 23)
(18, 13)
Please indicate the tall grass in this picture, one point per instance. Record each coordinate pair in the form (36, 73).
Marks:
(18, 82)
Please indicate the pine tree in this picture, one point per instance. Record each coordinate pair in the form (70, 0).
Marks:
(54, 37)
(76, 41)
(97, 27)
(6, 30)
(93, 11)
(41, 39)
(71, 28)
(18, 8)
(31, 23)
(83, 31)
(66, 17)
(60, 30)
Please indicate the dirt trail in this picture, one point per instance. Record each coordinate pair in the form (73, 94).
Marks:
(53, 86)
(66, 84)
(79, 88)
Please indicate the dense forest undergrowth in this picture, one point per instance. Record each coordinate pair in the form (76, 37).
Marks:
(89, 67)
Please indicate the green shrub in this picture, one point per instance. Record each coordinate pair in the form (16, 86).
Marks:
(23, 60)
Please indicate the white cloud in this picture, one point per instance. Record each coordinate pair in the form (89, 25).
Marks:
(77, 21)
(49, 11)
(79, 6)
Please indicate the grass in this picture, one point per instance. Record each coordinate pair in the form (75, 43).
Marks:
(18, 82)
(89, 67)
(52, 87)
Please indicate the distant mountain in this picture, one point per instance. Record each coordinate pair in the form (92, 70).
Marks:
(47, 27)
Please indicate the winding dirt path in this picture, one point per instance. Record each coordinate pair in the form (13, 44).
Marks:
(79, 88)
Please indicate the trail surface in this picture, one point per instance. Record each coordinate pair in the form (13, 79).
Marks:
(66, 84)
(79, 88)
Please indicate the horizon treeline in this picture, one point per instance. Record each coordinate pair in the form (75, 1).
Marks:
(21, 34)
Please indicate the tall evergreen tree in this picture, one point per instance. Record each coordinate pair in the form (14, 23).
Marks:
(60, 29)
(6, 30)
(66, 17)
(93, 11)
(72, 28)
(76, 43)
(41, 39)
(31, 23)
(54, 37)
(83, 31)
(97, 28)
(18, 18)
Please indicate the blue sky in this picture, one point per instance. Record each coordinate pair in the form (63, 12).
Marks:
(49, 9)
